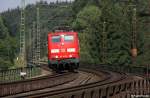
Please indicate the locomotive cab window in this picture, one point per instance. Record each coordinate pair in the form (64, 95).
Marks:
(56, 39)
(68, 38)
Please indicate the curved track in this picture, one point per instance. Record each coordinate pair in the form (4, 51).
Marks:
(36, 83)
(87, 83)
(111, 78)
(87, 78)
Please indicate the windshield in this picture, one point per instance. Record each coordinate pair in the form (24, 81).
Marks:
(55, 39)
(68, 38)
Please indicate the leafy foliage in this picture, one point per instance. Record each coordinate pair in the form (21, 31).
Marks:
(7, 47)
(87, 21)
(118, 17)
(86, 17)
(50, 16)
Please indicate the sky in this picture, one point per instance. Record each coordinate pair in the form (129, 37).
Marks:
(5, 4)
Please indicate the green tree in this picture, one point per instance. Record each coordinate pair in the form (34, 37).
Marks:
(3, 29)
(51, 15)
(7, 47)
(88, 23)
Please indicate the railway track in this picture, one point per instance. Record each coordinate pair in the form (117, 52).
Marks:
(111, 78)
(35, 83)
(109, 85)
(77, 85)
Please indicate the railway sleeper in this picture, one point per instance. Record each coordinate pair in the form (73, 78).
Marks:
(117, 89)
(123, 86)
(87, 94)
(111, 90)
(141, 87)
(78, 94)
(128, 86)
(95, 93)
(104, 92)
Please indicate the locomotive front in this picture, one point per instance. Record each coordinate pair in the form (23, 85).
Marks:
(63, 51)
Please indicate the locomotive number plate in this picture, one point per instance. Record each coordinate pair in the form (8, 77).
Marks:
(62, 50)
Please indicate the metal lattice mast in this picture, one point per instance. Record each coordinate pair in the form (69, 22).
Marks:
(30, 46)
(22, 55)
(133, 31)
(34, 42)
(104, 43)
(38, 35)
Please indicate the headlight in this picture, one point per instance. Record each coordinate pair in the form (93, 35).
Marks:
(71, 50)
(56, 56)
(54, 50)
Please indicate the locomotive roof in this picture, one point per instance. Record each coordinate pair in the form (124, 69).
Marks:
(59, 33)
(64, 28)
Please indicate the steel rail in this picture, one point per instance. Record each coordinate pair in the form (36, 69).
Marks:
(35, 83)
(106, 81)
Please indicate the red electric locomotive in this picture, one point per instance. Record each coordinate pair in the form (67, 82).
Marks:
(63, 50)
